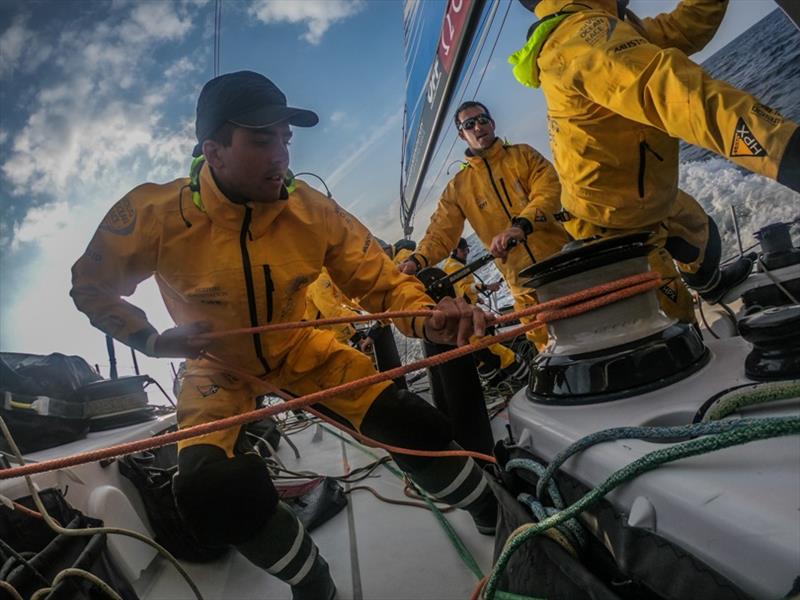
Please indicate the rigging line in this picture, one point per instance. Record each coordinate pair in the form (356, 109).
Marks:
(217, 35)
(468, 78)
(494, 47)
(466, 85)
(409, 215)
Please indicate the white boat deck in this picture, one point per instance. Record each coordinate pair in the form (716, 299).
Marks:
(376, 550)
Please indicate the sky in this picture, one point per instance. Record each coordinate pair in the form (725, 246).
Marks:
(98, 96)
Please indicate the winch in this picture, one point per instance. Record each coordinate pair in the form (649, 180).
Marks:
(619, 350)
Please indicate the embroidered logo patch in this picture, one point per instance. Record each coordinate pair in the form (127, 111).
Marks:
(765, 113)
(121, 219)
(597, 30)
(745, 143)
(669, 292)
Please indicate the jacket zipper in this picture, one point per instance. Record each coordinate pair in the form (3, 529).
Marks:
(644, 147)
(508, 214)
(270, 289)
(248, 280)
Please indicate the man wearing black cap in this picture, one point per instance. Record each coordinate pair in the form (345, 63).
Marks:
(236, 245)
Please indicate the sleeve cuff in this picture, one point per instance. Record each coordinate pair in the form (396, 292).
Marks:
(150, 345)
(523, 224)
(418, 260)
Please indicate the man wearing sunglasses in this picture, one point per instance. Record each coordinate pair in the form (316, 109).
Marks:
(506, 192)
(621, 91)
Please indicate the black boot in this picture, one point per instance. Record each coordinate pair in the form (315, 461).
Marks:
(727, 278)
(484, 514)
(284, 549)
(317, 585)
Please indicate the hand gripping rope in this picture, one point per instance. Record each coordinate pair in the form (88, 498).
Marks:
(560, 308)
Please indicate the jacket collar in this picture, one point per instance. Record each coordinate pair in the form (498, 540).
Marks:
(491, 154)
(550, 7)
(230, 215)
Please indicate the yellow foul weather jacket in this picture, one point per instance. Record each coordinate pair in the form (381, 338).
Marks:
(402, 255)
(240, 266)
(508, 181)
(465, 287)
(620, 93)
(324, 301)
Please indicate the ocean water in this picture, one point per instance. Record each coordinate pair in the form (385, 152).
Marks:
(764, 61)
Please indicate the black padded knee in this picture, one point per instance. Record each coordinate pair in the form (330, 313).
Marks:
(401, 418)
(223, 500)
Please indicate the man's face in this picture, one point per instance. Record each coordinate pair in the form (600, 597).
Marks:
(254, 165)
(462, 253)
(481, 134)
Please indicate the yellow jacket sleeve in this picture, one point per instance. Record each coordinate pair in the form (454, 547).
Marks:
(688, 28)
(121, 255)
(545, 189)
(359, 266)
(464, 287)
(325, 301)
(444, 230)
(628, 75)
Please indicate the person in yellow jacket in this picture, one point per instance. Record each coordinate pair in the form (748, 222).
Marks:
(402, 249)
(325, 301)
(506, 192)
(236, 245)
(620, 93)
(497, 362)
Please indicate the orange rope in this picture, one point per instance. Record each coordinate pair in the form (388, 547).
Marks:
(573, 305)
(556, 303)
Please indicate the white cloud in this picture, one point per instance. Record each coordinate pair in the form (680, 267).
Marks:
(101, 109)
(338, 116)
(41, 223)
(317, 15)
(154, 21)
(21, 49)
(388, 125)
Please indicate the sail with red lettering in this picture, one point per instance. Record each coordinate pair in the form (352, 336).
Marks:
(438, 45)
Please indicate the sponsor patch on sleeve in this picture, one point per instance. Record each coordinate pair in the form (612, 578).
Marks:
(765, 113)
(597, 30)
(745, 143)
(121, 219)
(628, 45)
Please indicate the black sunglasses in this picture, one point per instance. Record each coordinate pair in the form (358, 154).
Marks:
(468, 124)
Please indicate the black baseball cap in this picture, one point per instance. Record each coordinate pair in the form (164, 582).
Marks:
(246, 99)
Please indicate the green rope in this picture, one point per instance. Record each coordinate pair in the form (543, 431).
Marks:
(641, 433)
(751, 396)
(759, 430)
(458, 544)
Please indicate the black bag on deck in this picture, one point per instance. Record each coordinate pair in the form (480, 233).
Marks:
(49, 553)
(151, 472)
(315, 502)
(51, 400)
